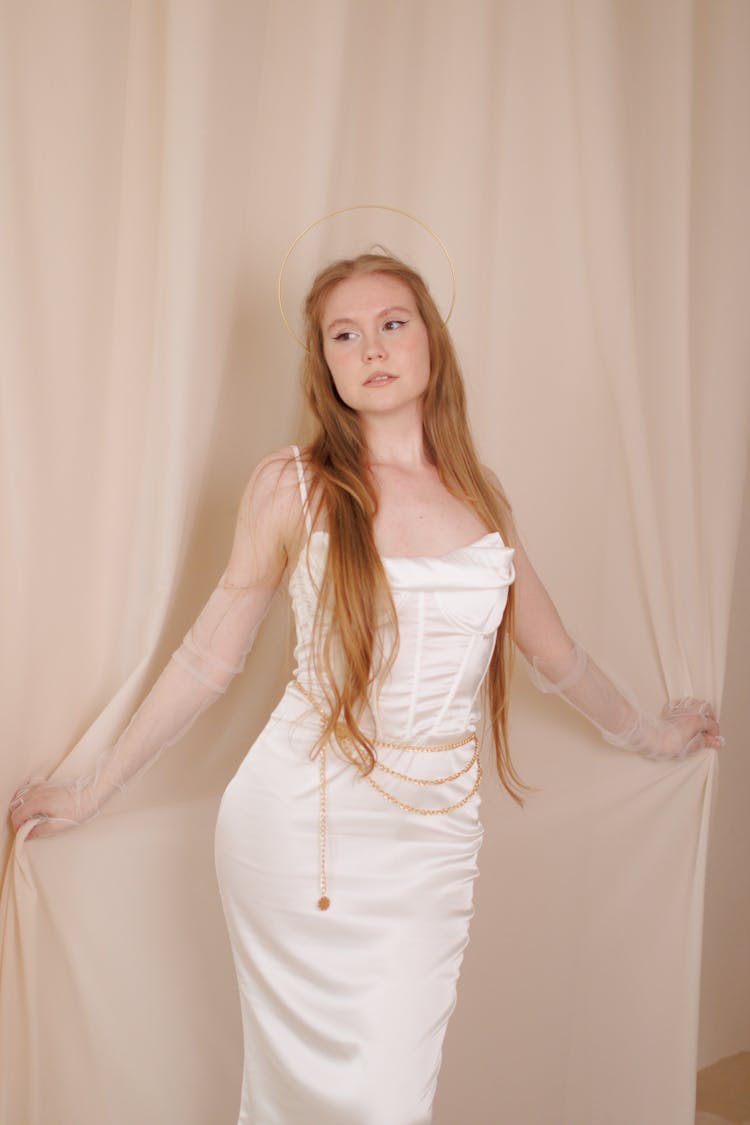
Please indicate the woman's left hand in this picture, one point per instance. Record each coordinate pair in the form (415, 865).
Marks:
(687, 725)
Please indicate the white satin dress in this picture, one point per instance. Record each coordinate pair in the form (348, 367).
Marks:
(344, 1011)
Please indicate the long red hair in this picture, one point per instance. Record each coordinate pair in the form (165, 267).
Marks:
(354, 593)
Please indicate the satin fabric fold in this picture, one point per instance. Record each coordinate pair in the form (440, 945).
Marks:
(345, 1010)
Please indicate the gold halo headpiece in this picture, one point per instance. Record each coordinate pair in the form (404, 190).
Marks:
(344, 210)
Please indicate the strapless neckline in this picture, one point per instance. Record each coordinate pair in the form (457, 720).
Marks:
(418, 558)
(479, 553)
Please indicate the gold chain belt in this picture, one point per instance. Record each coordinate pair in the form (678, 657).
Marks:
(324, 902)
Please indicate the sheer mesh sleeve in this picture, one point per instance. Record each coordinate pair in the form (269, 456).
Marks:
(212, 653)
(561, 666)
(684, 725)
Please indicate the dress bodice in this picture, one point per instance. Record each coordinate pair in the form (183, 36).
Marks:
(448, 608)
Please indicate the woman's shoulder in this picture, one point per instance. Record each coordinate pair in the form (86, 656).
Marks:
(273, 486)
(280, 468)
(290, 468)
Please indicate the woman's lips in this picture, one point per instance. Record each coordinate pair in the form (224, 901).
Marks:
(379, 379)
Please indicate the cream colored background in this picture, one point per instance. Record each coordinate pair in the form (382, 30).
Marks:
(587, 164)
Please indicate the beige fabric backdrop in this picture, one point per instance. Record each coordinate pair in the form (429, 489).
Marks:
(587, 165)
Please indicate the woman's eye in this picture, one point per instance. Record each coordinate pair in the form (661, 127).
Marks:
(391, 325)
(344, 336)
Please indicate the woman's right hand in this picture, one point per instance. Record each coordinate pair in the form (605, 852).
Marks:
(59, 805)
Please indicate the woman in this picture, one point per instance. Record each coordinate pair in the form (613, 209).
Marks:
(347, 842)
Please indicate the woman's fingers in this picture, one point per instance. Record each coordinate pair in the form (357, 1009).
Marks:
(707, 731)
(696, 720)
(700, 709)
(20, 797)
(26, 805)
(689, 706)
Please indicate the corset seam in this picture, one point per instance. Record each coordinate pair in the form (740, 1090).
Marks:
(454, 686)
(417, 665)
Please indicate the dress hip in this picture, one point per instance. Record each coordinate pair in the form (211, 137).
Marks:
(344, 1011)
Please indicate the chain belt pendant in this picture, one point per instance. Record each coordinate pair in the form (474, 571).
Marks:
(324, 901)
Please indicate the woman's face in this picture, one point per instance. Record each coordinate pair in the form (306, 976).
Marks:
(375, 344)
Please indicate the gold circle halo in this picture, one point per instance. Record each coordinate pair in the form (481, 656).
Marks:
(345, 210)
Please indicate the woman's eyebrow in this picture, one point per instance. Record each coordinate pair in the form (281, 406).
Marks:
(384, 312)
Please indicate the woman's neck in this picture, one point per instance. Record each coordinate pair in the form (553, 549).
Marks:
(394, 439)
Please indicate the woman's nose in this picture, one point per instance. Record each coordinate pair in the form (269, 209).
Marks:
(373, 348)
